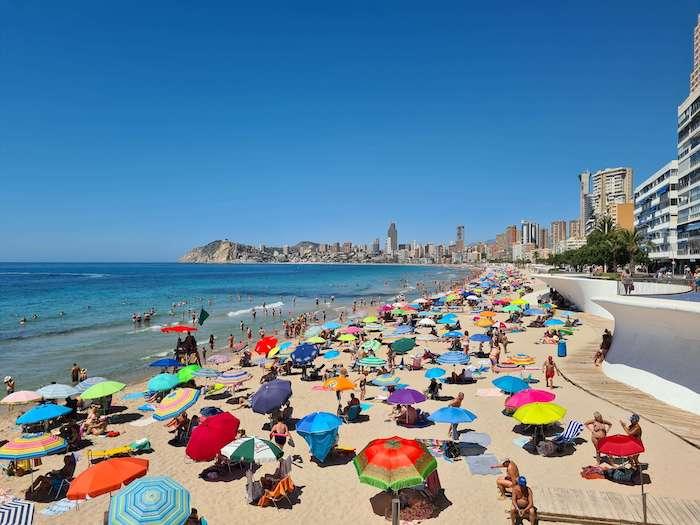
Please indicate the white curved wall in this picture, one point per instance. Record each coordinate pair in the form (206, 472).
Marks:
(580, 290)
(656, 348)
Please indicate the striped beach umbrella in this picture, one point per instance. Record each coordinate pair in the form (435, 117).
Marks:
(206, 372)
(151, 500)
(175, 403)
(20, 397)
(386, 380)
(57, 391)
(103, 389)
(372, 344)
(453, 358)
(90, 381)
(372, 362)
(252, 450)
(233, 377)
(32, 446)
(17, 512)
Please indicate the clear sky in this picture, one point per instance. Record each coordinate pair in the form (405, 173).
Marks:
(136, 130)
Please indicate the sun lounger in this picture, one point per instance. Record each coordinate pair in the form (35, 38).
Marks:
(253, 489)
(126, 450)
(282, 490)
(569, 435)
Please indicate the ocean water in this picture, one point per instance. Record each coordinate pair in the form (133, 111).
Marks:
(97, 302)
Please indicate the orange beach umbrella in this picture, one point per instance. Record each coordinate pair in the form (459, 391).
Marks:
(106, 476)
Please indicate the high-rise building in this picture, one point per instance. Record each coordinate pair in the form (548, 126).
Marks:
(543, 239)
(656, 212)
(347, 247)
(392, 239)
(529, 232)
(575, 229)
(558, 231)
(601, 192)
(511, 233)
(459, 243)
(375, 246)
(695, 73)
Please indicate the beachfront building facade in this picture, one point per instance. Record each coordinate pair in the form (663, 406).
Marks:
(656, 212)
(604, 194)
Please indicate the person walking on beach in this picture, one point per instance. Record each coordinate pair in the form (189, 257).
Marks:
(599, 428)
(604, 347)
(211, 342)
(75, 374)
(549, 369)
(230, 341)
(279, 433)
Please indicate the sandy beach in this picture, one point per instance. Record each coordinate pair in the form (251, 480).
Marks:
(333, 493)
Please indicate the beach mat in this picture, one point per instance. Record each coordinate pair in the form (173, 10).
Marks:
(481, 465)
(366, 406)
(133, 395)
(521, 441)
(59, 507)
(478, 438)
(143, 422)
(488, 392)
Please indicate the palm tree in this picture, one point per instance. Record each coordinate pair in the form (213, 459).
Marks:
(605, 225)
(631, 242)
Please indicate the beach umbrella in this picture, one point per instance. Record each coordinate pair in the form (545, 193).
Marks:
(372, 362)
(186, 373)
(394, 463)
(480, 338)
(265, 344)
(166, 362)
(346, 338)
(434, 373)
(339, 384)
(317, 422)
(332, 325)
(90, 381)
(252, 450)
(234, 377)
(447, 320)
(522, 359)
(453, 358)
(511, 308)
(219, 359)
(406, 396)
(539, 413)
(372, 344)
(370, 319)
(178, 328)
(533, 311)
(103, 389)
(484, 323)
(373, 327)
(151, 500)
(531, 395)
(426, 337)
(427, 321)
(402, 329)
(510, 384)
(333, 354)
(386, 380)
(403, 345)
(21, 397)
(453, 333)
(316, 340)
(43, 412)
(350, 330)
(57, 391)
(175, 403)
(621, 446)
(32, 446)
(472, 297)
(162, 382)
(106, 476)
(519, 301)
(399, 311)
(452, 415)
(312, 331)
(270, 396)
(211, 435)
(17, 512)
(304, 354)
(487, 313)
(553, 322)
(206, 372)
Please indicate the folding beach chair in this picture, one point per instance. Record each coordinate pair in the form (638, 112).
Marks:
(281, 491)
(568, 437)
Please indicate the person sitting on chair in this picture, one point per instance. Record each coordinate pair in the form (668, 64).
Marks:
(434, 388)
(42, 487)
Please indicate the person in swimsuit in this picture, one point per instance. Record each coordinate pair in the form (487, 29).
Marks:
(523, 507)
(633, 430)
(279, 432)
(506, 482)
(599, 429)
(549, 369)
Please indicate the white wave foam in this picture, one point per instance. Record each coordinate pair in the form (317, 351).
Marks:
(258, 308)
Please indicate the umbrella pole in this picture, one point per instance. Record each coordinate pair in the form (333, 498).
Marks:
(644, 496)
(395, 509)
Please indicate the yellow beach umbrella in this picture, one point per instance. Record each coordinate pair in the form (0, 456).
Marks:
(273, 353)
(519, 301)
(484, 323)
(316, 340)
(370, 319)
(540, 413)
(346, 338)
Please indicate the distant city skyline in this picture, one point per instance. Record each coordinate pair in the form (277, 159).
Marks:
(136, 134)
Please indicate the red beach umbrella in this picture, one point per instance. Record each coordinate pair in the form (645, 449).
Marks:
(265, 345)
(179, 328)
(211, 435)
(621, 446)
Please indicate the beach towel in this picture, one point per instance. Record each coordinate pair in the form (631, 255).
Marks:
(521, 441)
(434, 446)
(481, 465)
(143, 422)
(364, 407)
(488, 392)
(146, 408)
(59, 507)
(478, 438)
(133, 395)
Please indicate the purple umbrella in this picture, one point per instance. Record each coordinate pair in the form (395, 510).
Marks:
(406, 396)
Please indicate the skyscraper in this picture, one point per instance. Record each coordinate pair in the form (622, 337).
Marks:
(459, 243)
(392, 239)
(529, 232)
(575, 229)
(695, 73)
(602, 192)
(585, 211)
(375, 246)
(558, 231)
(543, 239)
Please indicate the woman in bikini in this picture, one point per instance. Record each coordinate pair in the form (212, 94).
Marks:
(599, 429)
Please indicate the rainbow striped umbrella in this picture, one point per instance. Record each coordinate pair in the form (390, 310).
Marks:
(151, 500)
(32, 446)
(386, 380)
(175, 403)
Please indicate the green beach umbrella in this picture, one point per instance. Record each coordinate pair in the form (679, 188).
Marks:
(372, 344)
(346, 338)
(403, 345)
(187, 373)
(372, 362)
(252, 450)
(316, 340)
(370, 319)
(511, 308)
(399, 311)
(103, 389)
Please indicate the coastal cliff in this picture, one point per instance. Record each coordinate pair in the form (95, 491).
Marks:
(226, 251)
(214, 252)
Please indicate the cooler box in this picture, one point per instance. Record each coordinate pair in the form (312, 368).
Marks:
(561, 349)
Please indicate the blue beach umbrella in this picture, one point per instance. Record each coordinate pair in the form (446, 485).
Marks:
(318, 422)
(333, 354)
(533, 311)
(403, 329)
(386, 380)
(453, 333)
(165, 363)
(151, 500)
(331, 325)
(452, 415)
(553, 322)
(57, 391)
(90, 381)
(43, 413)
(510, 384)
(480, 338)
(453, 358)
(434, 373)
(304, 354)
(163, 382)
(270, 396)
(312, 331)
(447, 319)
(285, 345)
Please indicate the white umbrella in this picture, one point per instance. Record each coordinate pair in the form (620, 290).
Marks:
(426, 322)
(57, 391)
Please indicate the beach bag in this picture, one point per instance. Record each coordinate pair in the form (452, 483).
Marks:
(546, 448)
(623, 474)
(452, 450)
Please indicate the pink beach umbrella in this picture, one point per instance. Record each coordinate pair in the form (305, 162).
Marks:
(20, 397)
(219, 359)
(351, 330)
(386, 308)
(531, 395)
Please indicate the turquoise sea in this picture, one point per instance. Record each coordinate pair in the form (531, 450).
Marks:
(84, 310)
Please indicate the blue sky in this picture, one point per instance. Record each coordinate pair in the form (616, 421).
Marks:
(135, 130)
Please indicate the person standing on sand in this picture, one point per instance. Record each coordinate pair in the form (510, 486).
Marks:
(599, 428)
(633, 430)
(456, 403)
(211, 342)
(549, 369)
